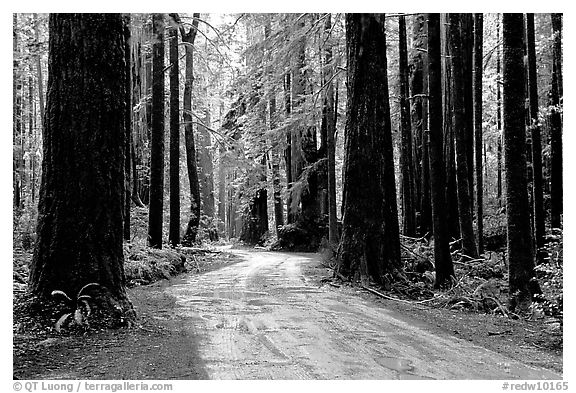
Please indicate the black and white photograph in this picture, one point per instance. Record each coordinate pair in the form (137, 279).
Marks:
(287, 196)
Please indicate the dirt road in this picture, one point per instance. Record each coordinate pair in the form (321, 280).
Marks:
(263, 319)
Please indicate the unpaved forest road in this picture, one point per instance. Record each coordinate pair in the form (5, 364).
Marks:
(263, 319)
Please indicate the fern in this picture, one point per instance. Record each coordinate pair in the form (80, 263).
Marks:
(81, 306)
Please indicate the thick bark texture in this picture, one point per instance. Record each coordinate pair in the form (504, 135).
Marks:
(477, 88)
(537, 186)
(370, 244)
(406, 163)
(156, 206)
(442, 258)
(449, 148)
(128, 120)
(459, 124)
(80, 217)
(520, 256)
(174, 230)
(556, 187)
(194, 221)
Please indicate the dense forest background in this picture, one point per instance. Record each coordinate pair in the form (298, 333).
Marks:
(241, 127)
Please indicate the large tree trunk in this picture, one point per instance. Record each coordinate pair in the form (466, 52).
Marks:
(174, 230)
(406, 164)
(537, 186)
(556, 187)
(80, 217)
(442, 257)
(520, 257)
(192, 227)
(370, 245)
(449, 148)
(459, 123)
(467, 45)
(156, 204)
(128, 120)
(477, 110)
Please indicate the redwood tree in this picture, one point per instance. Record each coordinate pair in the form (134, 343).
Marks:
(556, 188)
(370, 243)
(537, 188)
(477, 111)
(128, 120)
(188, 39)
(80, 213)
(442, 258)
(174, 232)
(156, 205)
(520, 256)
